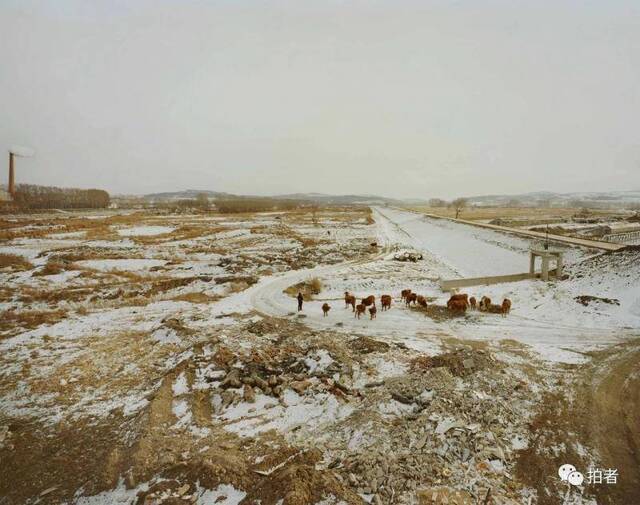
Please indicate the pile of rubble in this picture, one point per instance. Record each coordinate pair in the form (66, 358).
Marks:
(407, 255)
(452, 422)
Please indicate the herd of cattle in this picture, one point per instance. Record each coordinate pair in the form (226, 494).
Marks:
(457, 303)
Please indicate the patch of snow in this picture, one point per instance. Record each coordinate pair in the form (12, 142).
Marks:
(318, 361)
(307, 413)
(133, 264)
(180, 386)
(144, 231)
(224, 494)
(118, 495)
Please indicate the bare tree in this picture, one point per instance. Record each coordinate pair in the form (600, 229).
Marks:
(202, 201)
(458, 204)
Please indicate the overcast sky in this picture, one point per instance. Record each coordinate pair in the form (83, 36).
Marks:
(404, 99)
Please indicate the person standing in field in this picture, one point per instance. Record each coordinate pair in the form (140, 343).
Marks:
(300, 300)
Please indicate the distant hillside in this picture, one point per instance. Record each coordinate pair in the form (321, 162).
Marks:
(187, 194)
(538, 198)
(319, 198)
(342, 199)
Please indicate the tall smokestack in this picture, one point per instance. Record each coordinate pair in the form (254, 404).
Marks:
(15, 151)
(12, 176)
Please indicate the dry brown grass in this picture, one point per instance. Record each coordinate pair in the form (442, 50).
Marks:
(7, 294)
(134, 289)
(52, 267)
(186, 232)
(52, 297)
(369, 218)
(96, 229)
(438, 312)
(237, 286)
(12, 321)
(195, 297)
(308, 288)
(14, 262)
(130, 276)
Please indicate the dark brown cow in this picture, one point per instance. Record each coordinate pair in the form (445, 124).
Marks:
(405, 293)
(457, 305)
(360, 309)
(325, 309)
(369, 300)
(385, 301)
(422, 301)
(349, 300)
(411, 297)
(506, 307)
(473, 302)
(373, 311)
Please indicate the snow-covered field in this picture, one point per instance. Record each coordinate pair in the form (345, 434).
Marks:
(544, 316)
(174, 351)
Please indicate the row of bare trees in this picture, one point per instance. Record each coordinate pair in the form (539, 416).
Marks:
(31, 196)
(257, 204)
(458, 204)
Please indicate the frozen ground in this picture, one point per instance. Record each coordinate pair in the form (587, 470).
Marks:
(168, 365)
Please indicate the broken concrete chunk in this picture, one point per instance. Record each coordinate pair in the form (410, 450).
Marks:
(447, 424)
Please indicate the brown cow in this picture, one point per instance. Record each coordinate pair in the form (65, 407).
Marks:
(463, 298)
(411, 297)
(349, 300)
(422, 301)
(385, 301)
(369, 300)
(473, 302)
(325, 309)
(360, 309)
(485, 303)
(405, 293)
(373, 311)
(457, 305)
(506, 307)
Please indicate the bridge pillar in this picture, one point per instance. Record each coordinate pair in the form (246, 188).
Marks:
(545, 268)
(532, 263)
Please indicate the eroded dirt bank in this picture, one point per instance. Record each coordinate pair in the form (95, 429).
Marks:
(591, 420)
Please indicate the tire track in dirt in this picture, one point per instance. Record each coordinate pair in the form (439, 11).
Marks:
(612, 406)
